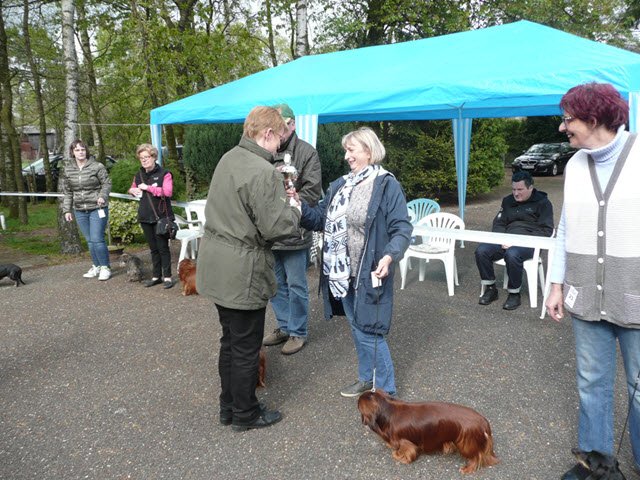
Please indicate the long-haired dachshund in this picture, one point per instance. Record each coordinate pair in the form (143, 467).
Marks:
(600, 465)
(410, 429)
(187, 275)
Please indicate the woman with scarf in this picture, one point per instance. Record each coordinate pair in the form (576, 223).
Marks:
(366, 229)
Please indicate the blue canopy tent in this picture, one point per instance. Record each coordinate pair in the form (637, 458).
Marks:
(518, 69)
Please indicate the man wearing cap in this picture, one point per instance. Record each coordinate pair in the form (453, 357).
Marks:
(291, 303)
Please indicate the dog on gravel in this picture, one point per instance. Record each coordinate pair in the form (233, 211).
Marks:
(601, 465)
(262, 368)
(14, 272)
(133, 265)
(410, 429)
(187, 275)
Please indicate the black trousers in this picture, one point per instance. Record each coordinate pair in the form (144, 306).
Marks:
(242, 332)
(160, 253)
(514, 258)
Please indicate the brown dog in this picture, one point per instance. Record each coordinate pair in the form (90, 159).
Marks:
(410, 429)
(187, 275)
(262, 368)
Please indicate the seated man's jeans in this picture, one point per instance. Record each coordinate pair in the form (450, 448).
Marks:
(514, 258)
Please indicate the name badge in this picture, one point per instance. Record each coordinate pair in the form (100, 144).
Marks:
(570, 300)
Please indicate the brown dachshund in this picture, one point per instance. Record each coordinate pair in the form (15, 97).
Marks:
(410, 429)
(187, 275)
(262, 368)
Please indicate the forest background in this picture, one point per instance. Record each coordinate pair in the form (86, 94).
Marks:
(94, 69)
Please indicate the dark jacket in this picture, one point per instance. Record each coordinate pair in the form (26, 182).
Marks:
(533, 217)
(387, 232)
(246, 211)
(162, 205)
(82, 188)
(308, 185)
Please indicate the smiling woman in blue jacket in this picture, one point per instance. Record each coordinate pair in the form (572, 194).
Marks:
(366, 229)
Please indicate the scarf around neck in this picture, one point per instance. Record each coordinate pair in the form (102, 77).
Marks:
(336, 264)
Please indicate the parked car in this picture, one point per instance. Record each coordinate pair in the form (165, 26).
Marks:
(549, 158)
(37, 169)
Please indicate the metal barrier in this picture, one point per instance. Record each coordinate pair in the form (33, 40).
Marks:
(121, 196)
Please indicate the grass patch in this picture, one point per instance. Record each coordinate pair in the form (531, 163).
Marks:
(40, 236)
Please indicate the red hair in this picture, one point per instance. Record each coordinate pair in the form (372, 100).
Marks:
(599, 102)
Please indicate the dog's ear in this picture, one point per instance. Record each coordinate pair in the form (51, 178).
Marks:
(368, 409)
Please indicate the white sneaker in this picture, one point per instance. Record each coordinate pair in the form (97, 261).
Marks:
(93, 272)
(105, 273)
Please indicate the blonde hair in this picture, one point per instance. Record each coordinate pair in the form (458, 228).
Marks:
(262, 118)
(368, 139)
(147, 147)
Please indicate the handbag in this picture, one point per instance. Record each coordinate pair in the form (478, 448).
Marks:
(165, 227)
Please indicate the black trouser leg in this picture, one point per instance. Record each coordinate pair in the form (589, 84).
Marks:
(242, 332)
(159, 248)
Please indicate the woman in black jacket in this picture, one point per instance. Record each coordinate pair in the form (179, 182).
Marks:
(154, 187)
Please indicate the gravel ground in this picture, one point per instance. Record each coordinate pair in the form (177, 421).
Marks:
(111, 380)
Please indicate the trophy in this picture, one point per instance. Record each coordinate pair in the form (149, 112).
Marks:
(289, 172)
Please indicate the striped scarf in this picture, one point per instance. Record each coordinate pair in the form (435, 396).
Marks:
(336, 264)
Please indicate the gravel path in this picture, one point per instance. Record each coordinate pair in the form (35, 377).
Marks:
(111, 380)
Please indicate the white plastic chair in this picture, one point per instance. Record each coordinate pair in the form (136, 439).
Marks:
(534, 270)
(435, 248)
(189, 236)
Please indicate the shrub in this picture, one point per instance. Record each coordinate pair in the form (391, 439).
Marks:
(123, 221)
(204, 145)
(330, 151)
(122, 174)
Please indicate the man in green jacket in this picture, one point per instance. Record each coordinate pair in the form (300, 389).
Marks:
(291, 303)
(247, 210)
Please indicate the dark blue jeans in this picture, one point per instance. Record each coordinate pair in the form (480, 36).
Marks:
(514, 258)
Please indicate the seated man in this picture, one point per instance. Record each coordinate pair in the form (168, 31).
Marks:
(525, 212)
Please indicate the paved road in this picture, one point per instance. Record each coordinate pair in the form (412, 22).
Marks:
(111, 380)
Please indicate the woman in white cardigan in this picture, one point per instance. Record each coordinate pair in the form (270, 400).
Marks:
(596, 273)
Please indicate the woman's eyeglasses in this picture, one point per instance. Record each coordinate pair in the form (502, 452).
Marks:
(567, 119)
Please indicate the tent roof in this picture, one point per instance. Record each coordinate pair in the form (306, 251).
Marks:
(517, 69)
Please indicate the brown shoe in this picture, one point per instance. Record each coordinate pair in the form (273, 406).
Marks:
(293, 345)
(275, 338)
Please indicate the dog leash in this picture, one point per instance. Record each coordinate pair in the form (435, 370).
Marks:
(375, 343)
(631, 400)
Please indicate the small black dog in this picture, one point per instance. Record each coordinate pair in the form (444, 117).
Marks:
(601, 465)
(134, 267)
(14, 272)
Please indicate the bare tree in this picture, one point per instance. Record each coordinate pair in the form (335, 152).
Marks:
(68, 231)
(94, 111)
(302, 35)
(37, 89)
(18, 209)
(71, 67)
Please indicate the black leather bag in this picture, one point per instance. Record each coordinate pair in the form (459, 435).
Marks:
(166, 228)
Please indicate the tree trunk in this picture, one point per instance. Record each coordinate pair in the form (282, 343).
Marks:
(94, 110)
(302, 36)
(37, 89)
(18, 209)
(272, 48)
(68, 231)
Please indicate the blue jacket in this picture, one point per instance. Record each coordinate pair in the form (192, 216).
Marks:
(387, 232)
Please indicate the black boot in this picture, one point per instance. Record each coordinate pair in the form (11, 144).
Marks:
(490, 295)
(512, 302)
